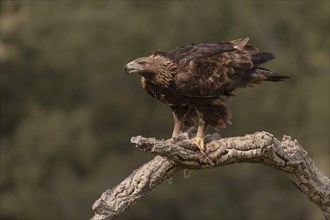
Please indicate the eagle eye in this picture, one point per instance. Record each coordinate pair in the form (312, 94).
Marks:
(142, 62)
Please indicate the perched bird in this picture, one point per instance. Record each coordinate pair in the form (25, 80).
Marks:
(194, 80)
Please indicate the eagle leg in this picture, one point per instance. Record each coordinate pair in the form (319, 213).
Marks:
(179, 115)
(178, 123)
(199, 139)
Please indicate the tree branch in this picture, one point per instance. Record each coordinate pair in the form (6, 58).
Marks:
(261, 147)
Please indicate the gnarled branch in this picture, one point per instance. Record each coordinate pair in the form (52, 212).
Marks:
(261, 147)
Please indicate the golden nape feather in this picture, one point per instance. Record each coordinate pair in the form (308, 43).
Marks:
(195, 79)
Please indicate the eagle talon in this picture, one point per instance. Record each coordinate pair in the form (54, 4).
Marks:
(171, 140)
(199, 142)
(176, 138)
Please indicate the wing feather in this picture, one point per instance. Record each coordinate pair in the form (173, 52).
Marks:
(205, 69)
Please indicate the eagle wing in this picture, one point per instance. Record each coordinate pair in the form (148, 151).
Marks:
(206, 69)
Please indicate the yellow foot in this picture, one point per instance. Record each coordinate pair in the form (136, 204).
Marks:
(170, 140)
(199, 142)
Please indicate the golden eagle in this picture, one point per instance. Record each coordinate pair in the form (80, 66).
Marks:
(194, 80)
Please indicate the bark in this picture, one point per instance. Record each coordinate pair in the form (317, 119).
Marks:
(261, 147)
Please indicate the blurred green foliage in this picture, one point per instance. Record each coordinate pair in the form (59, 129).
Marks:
(68, 110)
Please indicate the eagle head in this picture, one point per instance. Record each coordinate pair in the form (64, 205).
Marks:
(154, 67)
(145, 66)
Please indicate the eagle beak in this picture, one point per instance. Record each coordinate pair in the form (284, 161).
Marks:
(131, 67)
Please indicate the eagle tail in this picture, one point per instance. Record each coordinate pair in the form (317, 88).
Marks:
(262, 74)
(251, 79)
(260, 58)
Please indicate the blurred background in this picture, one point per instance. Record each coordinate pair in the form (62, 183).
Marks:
(68, 111)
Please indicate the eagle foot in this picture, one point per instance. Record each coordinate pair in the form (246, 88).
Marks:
(171, 140)
(199, 142)
(180, 137)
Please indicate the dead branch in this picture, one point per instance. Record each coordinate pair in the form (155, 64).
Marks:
(261, 147)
